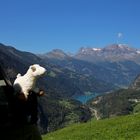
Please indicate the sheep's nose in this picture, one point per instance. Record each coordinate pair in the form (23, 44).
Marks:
(45, 71)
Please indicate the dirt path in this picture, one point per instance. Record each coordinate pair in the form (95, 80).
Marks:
(94, 111)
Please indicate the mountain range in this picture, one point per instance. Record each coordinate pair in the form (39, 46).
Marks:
(90, 70)
(114, 52)
(57, 85)
(116, 64)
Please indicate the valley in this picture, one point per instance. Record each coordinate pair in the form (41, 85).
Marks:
(73, 68)
(94, 83)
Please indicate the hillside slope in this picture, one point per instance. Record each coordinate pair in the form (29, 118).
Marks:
(118, 128)
(119, 102)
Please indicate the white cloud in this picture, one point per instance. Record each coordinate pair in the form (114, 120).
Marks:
(120, 35)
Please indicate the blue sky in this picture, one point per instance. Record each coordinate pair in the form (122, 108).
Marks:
(42, 25)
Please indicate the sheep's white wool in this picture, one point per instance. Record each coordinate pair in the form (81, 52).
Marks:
(27, 82)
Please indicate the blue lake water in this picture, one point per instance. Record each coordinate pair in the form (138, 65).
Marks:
(85, 98)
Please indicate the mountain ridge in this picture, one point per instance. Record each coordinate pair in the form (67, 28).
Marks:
(116, 63)
(68, 76)
(112, 48)
(60, 85)
(113, 52)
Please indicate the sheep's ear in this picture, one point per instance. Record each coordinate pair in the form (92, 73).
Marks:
(33, 68)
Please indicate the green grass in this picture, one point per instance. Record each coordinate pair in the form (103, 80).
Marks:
(118, 128)
(137, 108)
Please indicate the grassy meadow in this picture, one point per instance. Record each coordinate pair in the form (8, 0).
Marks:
(117, 128)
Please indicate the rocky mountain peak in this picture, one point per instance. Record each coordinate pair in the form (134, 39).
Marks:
(88, 51)
(119, 48)
(113, 52)
(57, 54)
(110, 48)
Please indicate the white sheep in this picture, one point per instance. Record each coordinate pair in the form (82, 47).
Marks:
(23, 84)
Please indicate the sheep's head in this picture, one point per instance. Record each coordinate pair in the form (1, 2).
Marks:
(37, 70)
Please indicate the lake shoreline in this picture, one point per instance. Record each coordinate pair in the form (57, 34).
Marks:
(86, 97)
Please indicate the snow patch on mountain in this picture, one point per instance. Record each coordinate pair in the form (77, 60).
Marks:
(138, 51)
(96, 49)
